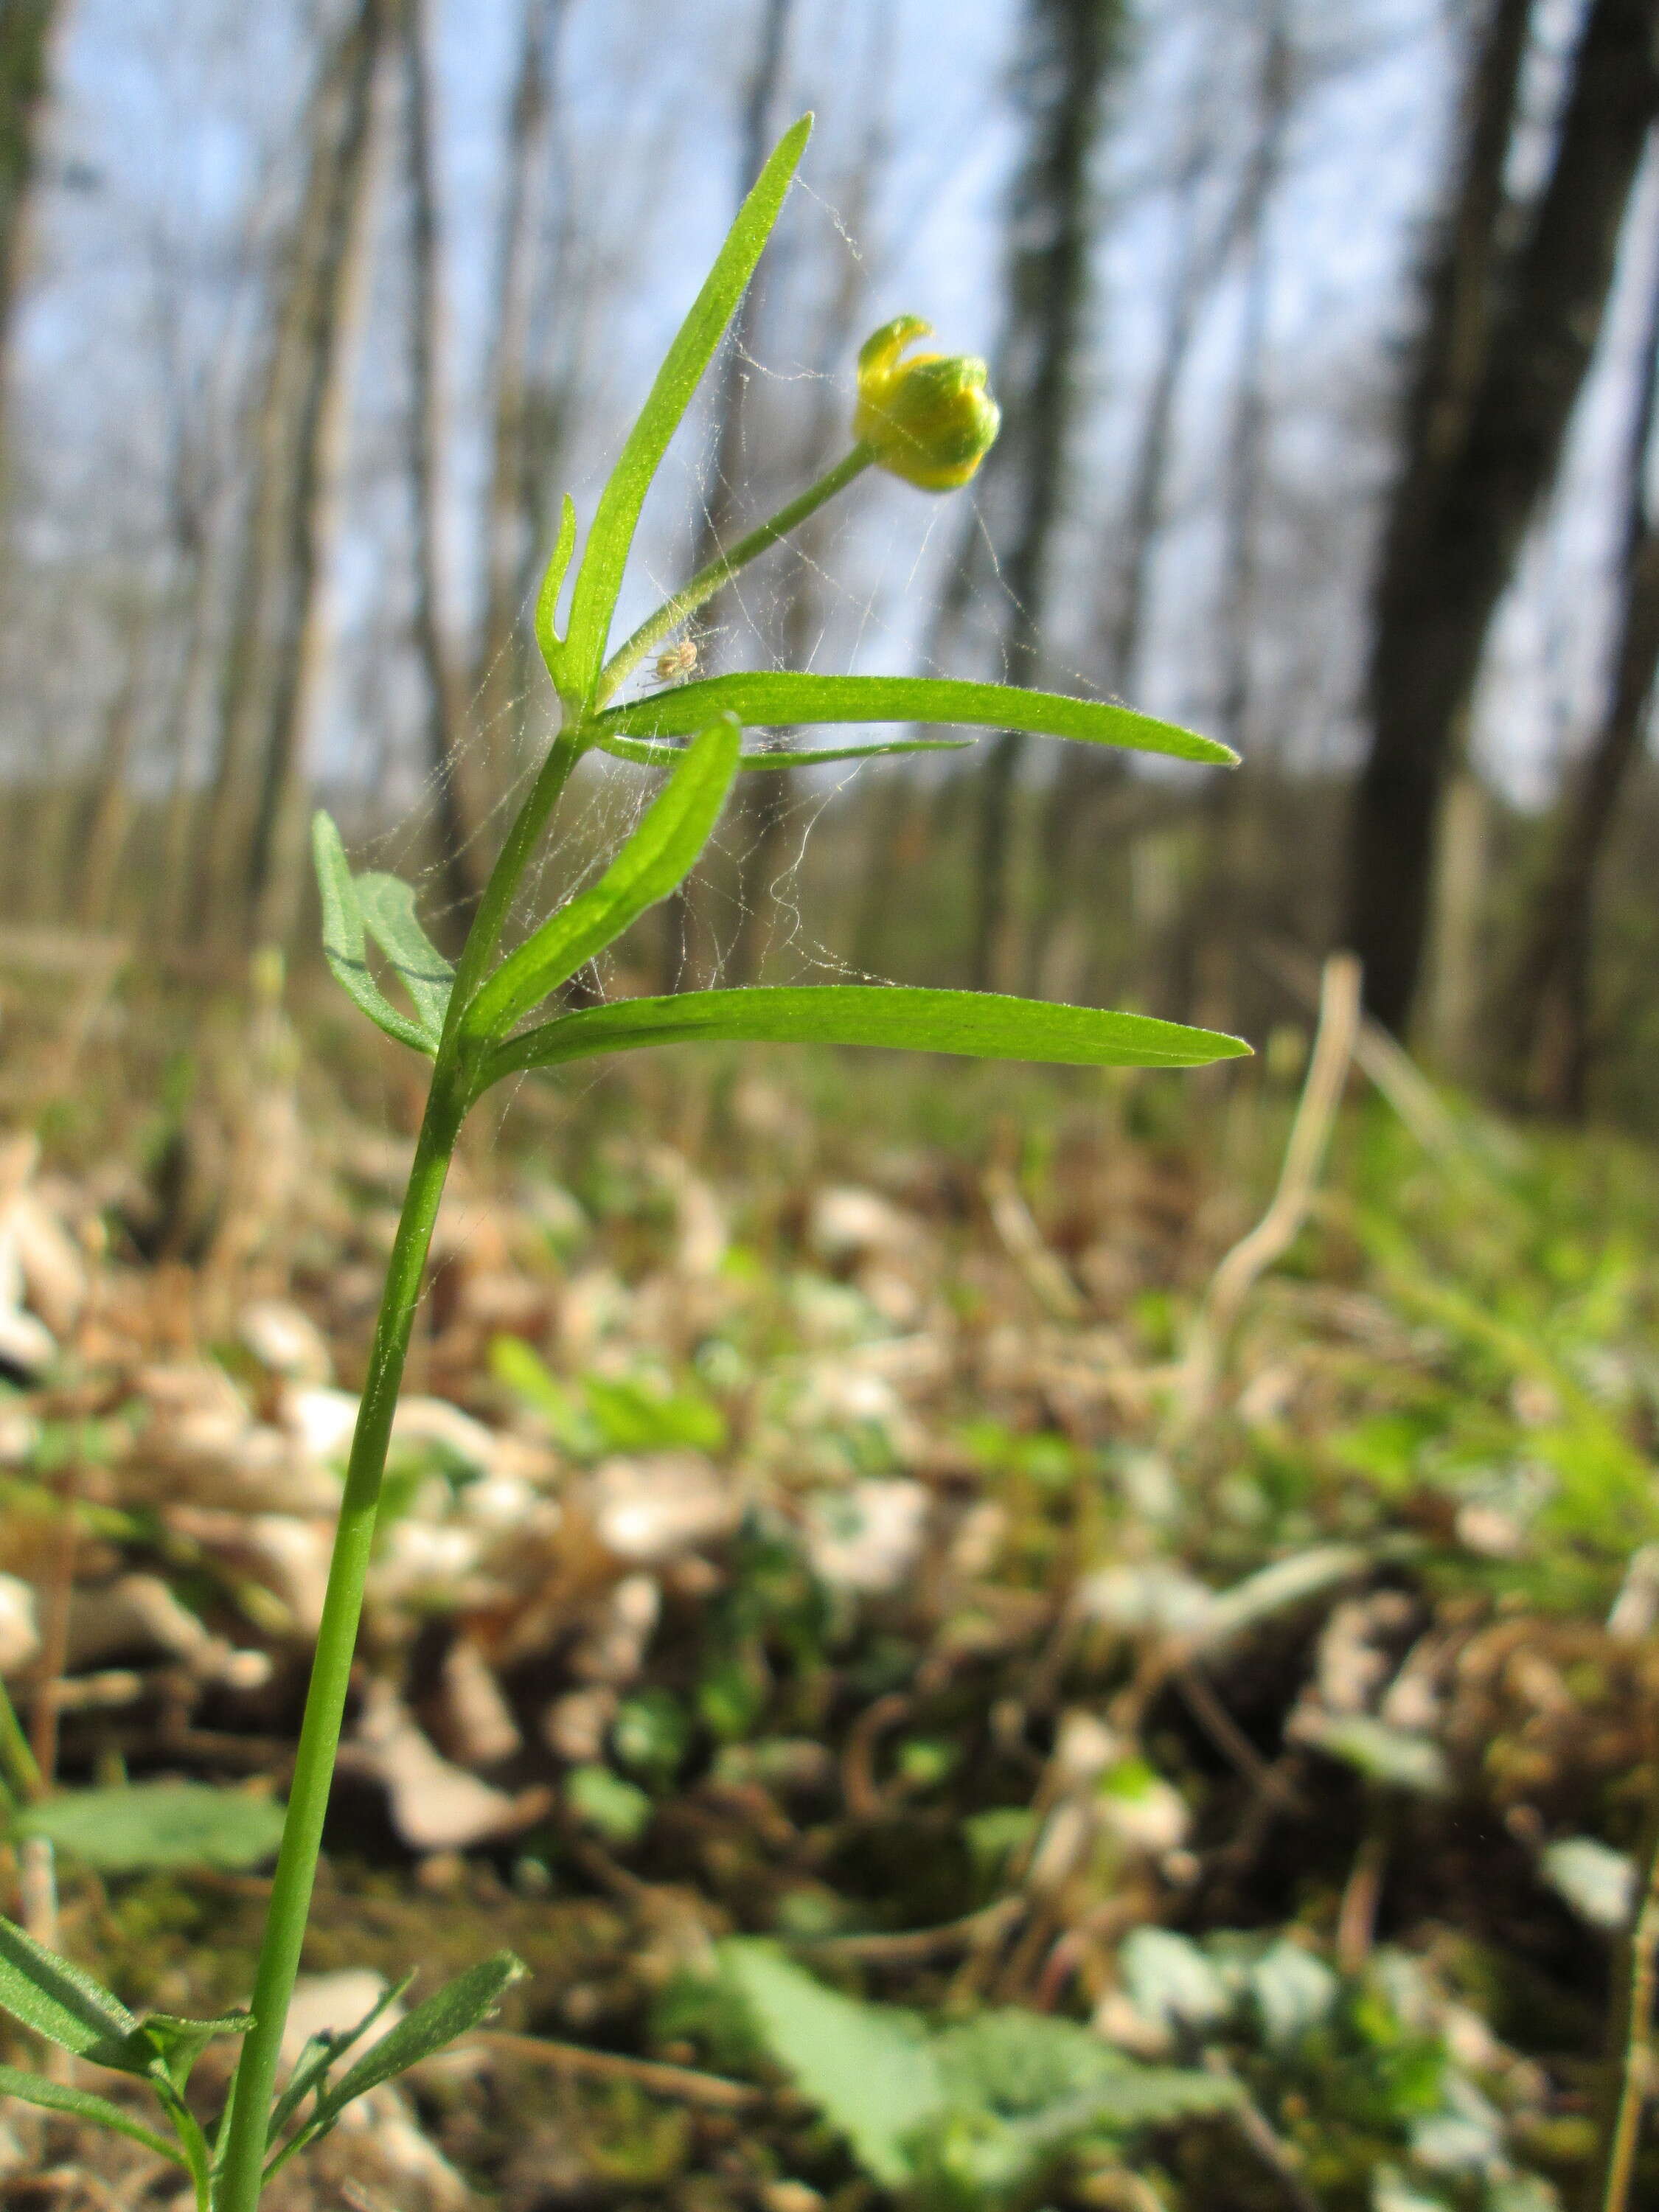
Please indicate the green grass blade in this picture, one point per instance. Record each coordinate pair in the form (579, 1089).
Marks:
(780, 697)
(646, 754)
(344, 942)
(660, 855)
(388, 909)
(981, 1024)
(82, 2105)
(56, 1999)
(599, 578)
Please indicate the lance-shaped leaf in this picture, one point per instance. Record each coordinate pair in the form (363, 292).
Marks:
(454, 2010)
(646, 753)
(82, 2105)
(760, 696)
(388, 906)
(599, 578)
(547, 599)
(660, 853)
(981, 1024)
(322, 2053)
(59, 2001)
(344, 942)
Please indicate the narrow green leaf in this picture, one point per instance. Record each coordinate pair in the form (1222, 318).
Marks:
(645, 754)
(321, 2054)
(599, 578)
(388, 908)
(660, 855)
(780, 697)
(452, 2011)
(144, 1826)
(344, 942)
(547, 599)
(57, 2000)
(980, 1025)
(82, 2105)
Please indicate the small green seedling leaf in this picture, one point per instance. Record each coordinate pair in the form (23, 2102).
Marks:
(620, 1810)
(658, 857)
(644, 753)
(452, 2011)
(82, 2105)
(1169, 1980)
(59, 2001)
(547, 599)
(388, 905)
(979, 1025)
(868, 2067)
(345, 944)
(1596, 1881)
(147, 1826)
(1396, 1758)
(599, 578)
(782, 698)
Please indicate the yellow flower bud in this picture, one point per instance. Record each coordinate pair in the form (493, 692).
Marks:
(928, 419)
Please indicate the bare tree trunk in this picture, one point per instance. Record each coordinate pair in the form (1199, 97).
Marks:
(275, 649)
(519, 458)
(91, 869)
(1072, 48)
(686, 958)
(460, 855)
(1550, 1031)
(27, 30)
(1213, 925)
(1506, 342)
(1084, 777)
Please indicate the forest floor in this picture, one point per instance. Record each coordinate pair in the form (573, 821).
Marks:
(844, 1503)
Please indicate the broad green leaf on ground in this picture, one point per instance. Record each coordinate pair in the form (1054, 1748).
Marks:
(660, 855)
(782, 698)
(145, 1826)
(981, 1024)
(605, 555)
(57, 2000)
(388, 905)
(1013, 2062)
(344, 942)
(452, 2011)
(867, 2068)
(646, 754)
(83, 2105)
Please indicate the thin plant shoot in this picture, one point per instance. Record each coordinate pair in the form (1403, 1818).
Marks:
(927, 418)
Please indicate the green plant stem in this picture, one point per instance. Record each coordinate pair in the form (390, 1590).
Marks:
(506, 875)
(720, 570)
(1633, 2067)
(337, 1637)
(18, 1767)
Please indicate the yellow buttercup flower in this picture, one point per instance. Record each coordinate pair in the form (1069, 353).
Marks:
(928, 419)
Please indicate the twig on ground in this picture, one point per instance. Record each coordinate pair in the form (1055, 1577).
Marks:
(683, 2083)
(975, 1931)
(1041, 1271)
(1304, 1154)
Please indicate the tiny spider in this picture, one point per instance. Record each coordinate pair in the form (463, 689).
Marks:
(677, 660)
